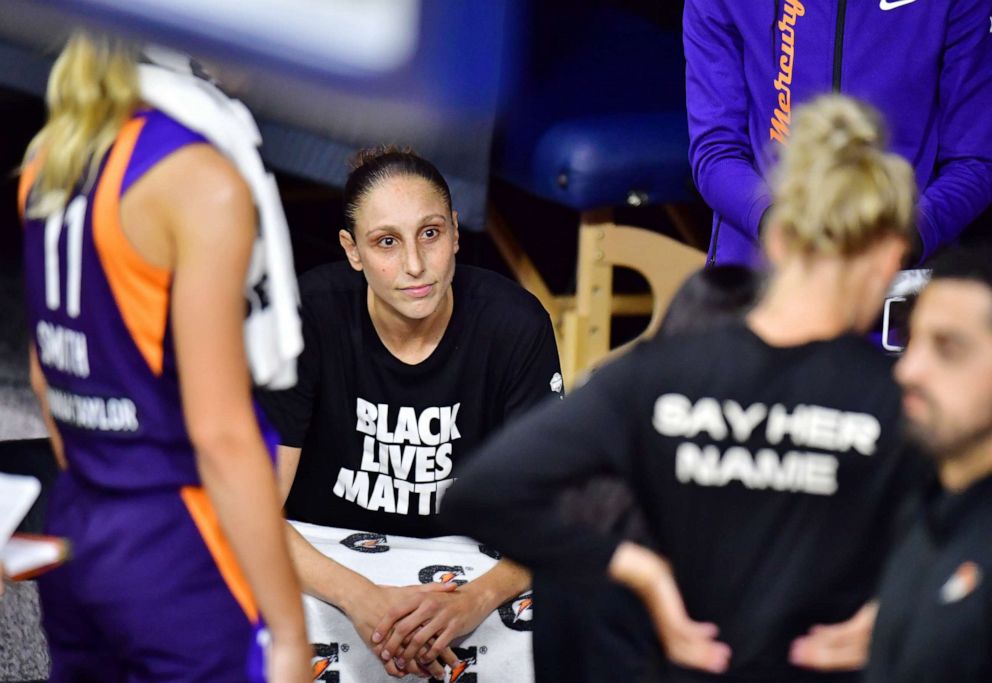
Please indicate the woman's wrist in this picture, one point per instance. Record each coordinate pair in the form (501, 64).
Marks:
(349, 589)
(484, 598)
(637, 568)
(289, 633)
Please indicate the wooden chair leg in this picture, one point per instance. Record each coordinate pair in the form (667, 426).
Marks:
(664, 262)
(570, 350)
(594, 286)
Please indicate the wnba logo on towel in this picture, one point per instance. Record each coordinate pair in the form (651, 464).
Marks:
(440, 573)
(366, 543)
(467, 658)
(324, 655)
(518, 614)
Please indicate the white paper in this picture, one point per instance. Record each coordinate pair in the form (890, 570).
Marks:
(22, 555)
(17, 494)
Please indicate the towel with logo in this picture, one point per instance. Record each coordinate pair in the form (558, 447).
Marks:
(500, 649)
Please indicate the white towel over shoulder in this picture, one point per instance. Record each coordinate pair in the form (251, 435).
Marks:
(273, 334)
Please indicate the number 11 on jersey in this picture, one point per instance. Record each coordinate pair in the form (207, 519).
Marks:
(73, 217)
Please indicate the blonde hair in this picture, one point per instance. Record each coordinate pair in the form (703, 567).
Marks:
(836, 190)
(92, 91)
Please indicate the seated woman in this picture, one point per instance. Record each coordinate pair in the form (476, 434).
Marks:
(408, 366)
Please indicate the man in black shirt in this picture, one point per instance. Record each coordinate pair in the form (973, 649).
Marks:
(408, 365)
(935, 615)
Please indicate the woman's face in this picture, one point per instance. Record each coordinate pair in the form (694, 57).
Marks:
(405, 242)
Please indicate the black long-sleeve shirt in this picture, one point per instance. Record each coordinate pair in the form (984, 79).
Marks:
(935, 619)
(769, 476)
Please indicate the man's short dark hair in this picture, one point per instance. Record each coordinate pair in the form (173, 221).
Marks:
(972, 264)
(960, 263)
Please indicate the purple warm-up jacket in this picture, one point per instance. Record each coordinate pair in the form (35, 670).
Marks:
(925, 64)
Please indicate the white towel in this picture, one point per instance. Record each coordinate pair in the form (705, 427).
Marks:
(273, 334)
(500, 649)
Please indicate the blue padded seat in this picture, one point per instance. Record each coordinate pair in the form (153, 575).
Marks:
(606, 160)
(601, 119)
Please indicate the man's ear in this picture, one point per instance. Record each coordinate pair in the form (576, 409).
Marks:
(454, 221)
(347, 241)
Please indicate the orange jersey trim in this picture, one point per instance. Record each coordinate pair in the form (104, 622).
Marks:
(140, 289)
(205, 518)
(28, 177)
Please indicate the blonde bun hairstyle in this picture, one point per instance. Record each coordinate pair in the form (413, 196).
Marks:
(836, 190)
(92, 91)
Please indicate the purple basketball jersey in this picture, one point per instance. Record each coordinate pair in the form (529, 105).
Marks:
(99, 318)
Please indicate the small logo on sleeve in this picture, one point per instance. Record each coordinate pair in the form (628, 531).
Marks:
(962, 583)
(894, 4)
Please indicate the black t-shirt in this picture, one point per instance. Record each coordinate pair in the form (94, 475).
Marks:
(769, 476)
(383, 440)
(935, 619)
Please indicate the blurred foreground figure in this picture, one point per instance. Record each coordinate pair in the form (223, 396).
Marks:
(603, 632)
(935, 617)
(138, 236)
(765, 455)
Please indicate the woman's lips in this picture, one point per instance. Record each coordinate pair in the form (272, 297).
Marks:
(418, 292)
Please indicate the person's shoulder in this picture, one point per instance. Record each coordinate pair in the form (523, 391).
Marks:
(693, 343)
(163, 127)
(330, 280)
(852, 373)
(498, 296)
(672, 358)
(206, 180)
(863, 357)
(332, 297)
